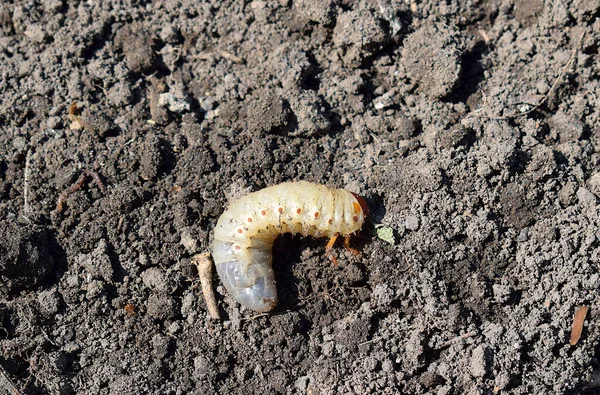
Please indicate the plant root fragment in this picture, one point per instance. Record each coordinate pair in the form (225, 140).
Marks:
(578, 320)
(204, 265)
(86, 173)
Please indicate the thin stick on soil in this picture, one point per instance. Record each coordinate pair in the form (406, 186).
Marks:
(229, 56)
(204, 265)
(6, 385)
(86, 173)
(26, 177)
(557, 80)
(458, 338)
(564, 69)
(254, 317)
(376, 339)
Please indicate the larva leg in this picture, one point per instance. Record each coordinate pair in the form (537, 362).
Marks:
(329, 249)
(347, 245)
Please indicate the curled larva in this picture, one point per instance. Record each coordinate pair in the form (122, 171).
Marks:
(244, 235)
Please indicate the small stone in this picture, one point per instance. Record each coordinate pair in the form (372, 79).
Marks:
(208, 103)
(173, 103)
(386, 234)
(383, 102)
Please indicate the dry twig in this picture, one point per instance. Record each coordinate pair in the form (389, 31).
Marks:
(254, 317)
(26, 177)
(457, 338)
(204, 265)
(6, 385)
(557, 80)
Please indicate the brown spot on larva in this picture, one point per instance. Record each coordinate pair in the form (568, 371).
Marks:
(249, 219)
(264, 212)
(280, 209)
(355, 218)
(299, 210)
(238, 248)
(239, 231)
(317, 214)
(330, 221)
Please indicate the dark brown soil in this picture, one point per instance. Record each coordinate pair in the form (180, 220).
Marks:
(471, 128)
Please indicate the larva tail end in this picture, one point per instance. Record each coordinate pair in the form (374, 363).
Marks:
(362, 202)
(251, 285)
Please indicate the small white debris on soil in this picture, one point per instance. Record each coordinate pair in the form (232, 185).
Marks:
(173, 103)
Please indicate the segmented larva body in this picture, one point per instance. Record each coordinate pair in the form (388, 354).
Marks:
(244, 235)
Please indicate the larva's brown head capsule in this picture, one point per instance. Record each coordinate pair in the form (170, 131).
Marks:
(362, 202)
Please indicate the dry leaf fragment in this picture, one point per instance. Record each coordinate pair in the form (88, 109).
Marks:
(75, 117)
(129, 310)
(578, 319)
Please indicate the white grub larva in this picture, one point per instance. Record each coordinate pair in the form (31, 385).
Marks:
(244, 235)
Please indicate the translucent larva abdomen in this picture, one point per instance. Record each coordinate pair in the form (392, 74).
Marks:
(244, 235)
